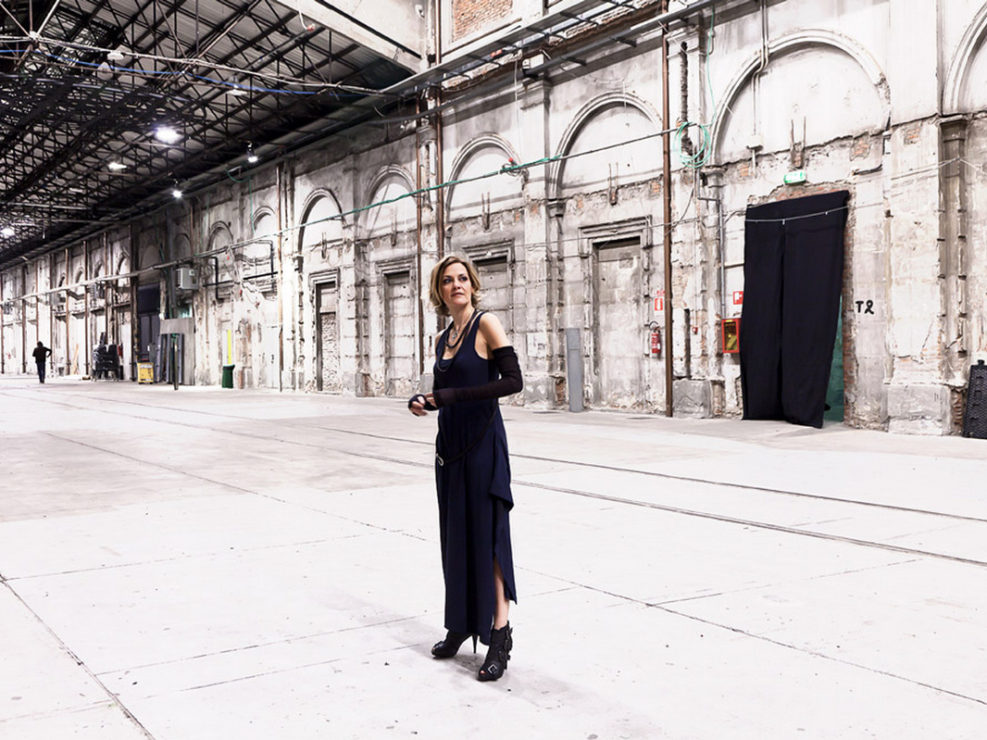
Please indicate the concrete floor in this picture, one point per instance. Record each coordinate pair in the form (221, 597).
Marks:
(209, 563)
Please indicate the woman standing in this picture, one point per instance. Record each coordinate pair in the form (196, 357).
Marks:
(474, 366)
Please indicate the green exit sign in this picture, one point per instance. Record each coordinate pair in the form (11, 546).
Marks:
(795, 177)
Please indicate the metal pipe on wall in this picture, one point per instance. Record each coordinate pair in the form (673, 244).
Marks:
(418, 245)
(666, 162)
(68, 317)
(199, 303)
(297, 364)
(134, 315)
(279, 287)
(440, 226)
(438, 31)
(51, 309)
(3, 326)
(85, 302)
(107, 290)
(721, 254)
(24, 321)
(170, 300)
(37, 300)
(436, 90)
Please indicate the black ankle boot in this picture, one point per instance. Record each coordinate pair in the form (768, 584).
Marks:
(499, 652)
(450, 645)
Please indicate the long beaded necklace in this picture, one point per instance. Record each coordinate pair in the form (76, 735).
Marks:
(456, 337)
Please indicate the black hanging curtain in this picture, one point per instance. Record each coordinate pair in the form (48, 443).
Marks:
(793, 272)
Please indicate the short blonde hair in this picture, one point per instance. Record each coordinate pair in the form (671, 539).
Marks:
(435, 287)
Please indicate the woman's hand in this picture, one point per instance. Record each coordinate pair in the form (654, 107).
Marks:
(419, 405)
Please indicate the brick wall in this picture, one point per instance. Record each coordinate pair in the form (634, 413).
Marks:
(470, 16)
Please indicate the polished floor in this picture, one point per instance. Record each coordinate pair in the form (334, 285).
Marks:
(210, 563)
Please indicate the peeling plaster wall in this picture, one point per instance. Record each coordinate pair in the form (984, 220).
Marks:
(872, 97)
(976, 233)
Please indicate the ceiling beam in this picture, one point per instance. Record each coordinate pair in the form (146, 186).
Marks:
(366, 24)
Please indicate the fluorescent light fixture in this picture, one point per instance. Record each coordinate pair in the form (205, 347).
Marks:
(166, 134)
(118, 54)
(117, 166)
(6, 231)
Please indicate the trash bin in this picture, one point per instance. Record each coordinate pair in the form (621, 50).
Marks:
(145, 372)
(228, 376)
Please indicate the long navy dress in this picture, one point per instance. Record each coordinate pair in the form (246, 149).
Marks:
(473, 480)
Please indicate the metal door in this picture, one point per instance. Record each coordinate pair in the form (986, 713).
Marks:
(266, 346)
(496, 281)
(327, 373)
(124, 338)
(399, 328)
(618, 336)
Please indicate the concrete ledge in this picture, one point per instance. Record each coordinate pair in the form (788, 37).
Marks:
(540, 392)
(692, 398)
(918, 409)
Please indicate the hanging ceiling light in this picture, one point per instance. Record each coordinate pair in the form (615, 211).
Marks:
(176, 193)
(166, 134)
(251, 156)
(119, 54)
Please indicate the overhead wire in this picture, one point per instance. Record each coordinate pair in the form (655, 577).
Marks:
(85, 83)
(693, 161)
(827, 212)
(64, 43)
(506, 169)
(320, 86)
(510, 169)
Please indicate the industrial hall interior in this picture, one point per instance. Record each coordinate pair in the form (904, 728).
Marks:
(758, 208)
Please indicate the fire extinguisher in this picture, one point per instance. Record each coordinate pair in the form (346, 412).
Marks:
(655, 340)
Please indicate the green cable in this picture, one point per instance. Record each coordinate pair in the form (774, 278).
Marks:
(701, 157)
(509, 168)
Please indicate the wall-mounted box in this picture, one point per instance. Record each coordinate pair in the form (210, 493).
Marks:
(186, 278)
(730, 336)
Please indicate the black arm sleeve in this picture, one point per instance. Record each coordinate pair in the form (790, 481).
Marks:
(510, 382)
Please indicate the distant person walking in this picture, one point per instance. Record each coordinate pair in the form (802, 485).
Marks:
(40, 356)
